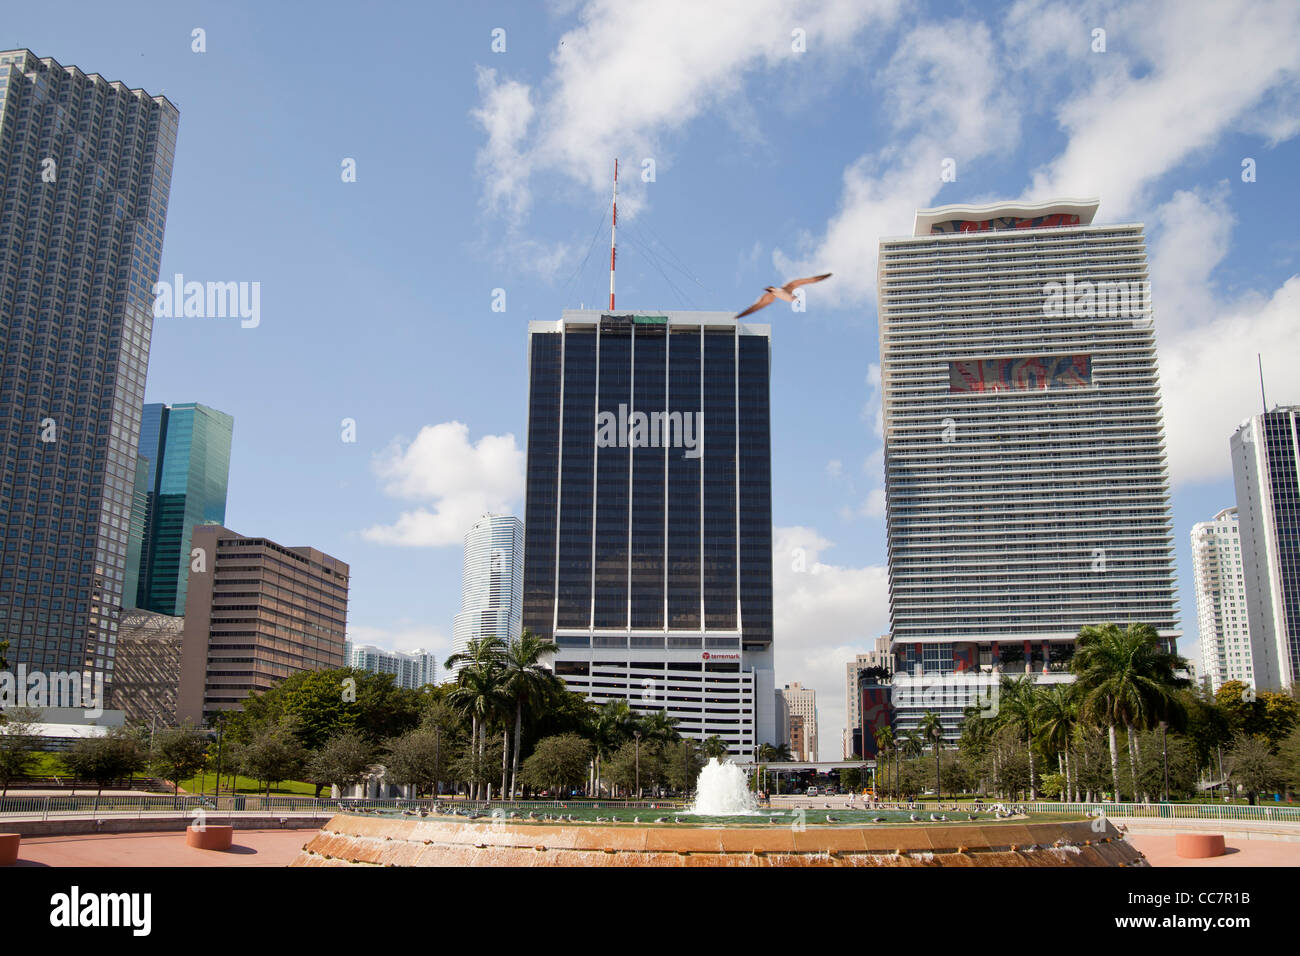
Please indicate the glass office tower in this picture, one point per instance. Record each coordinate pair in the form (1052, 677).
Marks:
(648, 529)
(1027, 489)
(85, 171)
(187, 448)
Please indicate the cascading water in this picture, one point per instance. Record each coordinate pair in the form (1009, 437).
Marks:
(723, 791)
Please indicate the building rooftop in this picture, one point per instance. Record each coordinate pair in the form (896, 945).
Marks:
(927, 219)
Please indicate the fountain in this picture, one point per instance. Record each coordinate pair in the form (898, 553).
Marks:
(723, 827)
(722, 790)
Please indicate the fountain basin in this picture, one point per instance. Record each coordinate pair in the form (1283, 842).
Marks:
(350, 840)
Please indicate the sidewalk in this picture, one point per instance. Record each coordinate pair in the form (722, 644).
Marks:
(251, 848)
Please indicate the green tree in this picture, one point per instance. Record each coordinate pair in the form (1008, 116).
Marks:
(614, 725)
(558, 762)
(683, 762)
(715, 748)
(478, 694)
(418, 757)
(621, 769)
(273, 752)
(178, 754)
(1289, 759)
(1055, 714)
(102, 760)
(884, 751)
(327, 703)
(341, 761)
(658, 726)
(1017, 710)
(1126, 678)
(525, 680)
(1254, 768)
(17, 744)
(931, 728)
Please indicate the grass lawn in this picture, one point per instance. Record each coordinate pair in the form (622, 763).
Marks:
(286, 788)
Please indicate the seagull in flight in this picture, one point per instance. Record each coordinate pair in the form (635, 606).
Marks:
(784, 293)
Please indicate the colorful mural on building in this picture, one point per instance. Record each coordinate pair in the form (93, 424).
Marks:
(1020, 374)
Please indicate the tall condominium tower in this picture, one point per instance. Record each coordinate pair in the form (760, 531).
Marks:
(186, 455)
(492, 586)
(1221, 600)
(801, 706)
(1026, 484)
(256, 612)
(85, 170)
(648, 553)
(1266, 471)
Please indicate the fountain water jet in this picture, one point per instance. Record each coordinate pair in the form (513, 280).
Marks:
(722, 790)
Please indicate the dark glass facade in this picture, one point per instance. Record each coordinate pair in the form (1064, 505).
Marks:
(85, 171)
(669, 527)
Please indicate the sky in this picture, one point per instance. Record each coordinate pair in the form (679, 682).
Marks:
(758, 140)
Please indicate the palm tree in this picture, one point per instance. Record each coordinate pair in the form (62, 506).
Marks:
(477, 691)
(931, 729)
(1016, 708)
(1055, 714)
(614, 722)
(658, 726)
(884, 747)
(524, 679)
(1126, 677)
(716, 747)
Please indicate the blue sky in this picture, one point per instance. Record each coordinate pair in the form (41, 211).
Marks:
(480, 170)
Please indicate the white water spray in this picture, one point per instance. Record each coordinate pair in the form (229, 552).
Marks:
(723, 791)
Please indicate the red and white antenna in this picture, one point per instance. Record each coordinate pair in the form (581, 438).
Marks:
(613, 246)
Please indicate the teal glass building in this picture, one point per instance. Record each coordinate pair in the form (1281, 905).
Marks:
(187, 448)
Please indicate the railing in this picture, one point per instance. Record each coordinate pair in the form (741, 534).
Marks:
(1227, 812)
(47, 807)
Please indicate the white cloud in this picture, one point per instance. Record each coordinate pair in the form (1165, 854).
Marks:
(458, 481)
(404, 635)
(505, 116)
(1210, 378)
(635, 71)
(1175, 77)
(1191, 235)
(824, 615)
(944, 86)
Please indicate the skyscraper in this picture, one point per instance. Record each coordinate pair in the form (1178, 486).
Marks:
(648, 553)
(187, 450)
(1266, 470)
(1221, 600)
(1026, 482)
(85, 171)
(256, 612)
(492, 585)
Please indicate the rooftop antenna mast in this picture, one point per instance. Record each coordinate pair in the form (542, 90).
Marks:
(613, 246)
(1258, 357)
